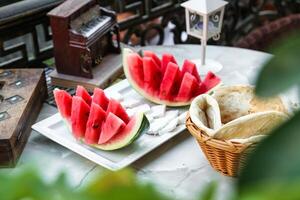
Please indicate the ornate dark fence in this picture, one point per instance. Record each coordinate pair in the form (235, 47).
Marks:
(24, 39)
(241, 16)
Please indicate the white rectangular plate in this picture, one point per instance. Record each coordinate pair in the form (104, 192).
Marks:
(55, 129)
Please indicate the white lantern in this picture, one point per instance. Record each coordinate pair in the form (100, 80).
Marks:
(204, 20)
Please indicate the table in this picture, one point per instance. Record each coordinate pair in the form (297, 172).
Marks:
(178, 167)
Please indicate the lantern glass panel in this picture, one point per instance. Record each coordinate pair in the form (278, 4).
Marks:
(214, 23)
(196, 23)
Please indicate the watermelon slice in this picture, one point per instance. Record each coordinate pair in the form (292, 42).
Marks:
(79, 116)
(210, 82)
(107, 130)
(166, 59)
(81, 92)
(188, 87)
(110, 128)
(135, 63)
(137, 126)
(64, 103)
(152, 75)
(93, 126)
(116, 108)
(152, 55)
(167, 85)
(100, 98)
(191, 68)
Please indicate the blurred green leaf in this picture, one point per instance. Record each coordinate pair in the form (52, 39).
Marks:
(276, 159)
(120, 185)
(27, 184)
(272, 191)
(209, 192)
(283, 70)
(61, 190)
(108, 180)
(24, 183)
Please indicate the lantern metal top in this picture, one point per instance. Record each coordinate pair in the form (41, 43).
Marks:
(204, 6)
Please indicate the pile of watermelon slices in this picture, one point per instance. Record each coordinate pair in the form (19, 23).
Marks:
(99, 121)
(162, 81)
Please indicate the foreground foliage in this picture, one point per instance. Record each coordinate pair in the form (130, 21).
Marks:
(27, 184)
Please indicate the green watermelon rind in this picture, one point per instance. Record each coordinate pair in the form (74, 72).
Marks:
(126, 52)
(141, 127)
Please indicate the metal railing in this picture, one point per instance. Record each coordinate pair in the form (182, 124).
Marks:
(143, 20)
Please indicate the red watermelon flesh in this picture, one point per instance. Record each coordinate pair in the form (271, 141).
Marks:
(162, 86)
(79, 116)
(167, 89)
(188, 88)
(126, 129)
(152, 55)
(137, 126)
(136, 68)
(166, 58)
(116, 108)
(191, 68)
(64, 103)
(100, 98)
(81, 92)
(210, 81)
(152, 75)
(118, 137)
(93, 126)
(110, 128)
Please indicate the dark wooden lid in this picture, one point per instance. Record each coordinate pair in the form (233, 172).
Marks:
(18, 87)
(69, 7)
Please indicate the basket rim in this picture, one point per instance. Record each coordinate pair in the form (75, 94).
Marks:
(202, 137)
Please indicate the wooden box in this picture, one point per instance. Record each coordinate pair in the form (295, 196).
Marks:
(22, 92)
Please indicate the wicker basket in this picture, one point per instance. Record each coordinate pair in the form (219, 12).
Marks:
(224, 156)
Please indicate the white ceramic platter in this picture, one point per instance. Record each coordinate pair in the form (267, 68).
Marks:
(55, 129)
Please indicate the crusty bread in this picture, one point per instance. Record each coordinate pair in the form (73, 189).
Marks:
(234, 113)
(240, 100)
